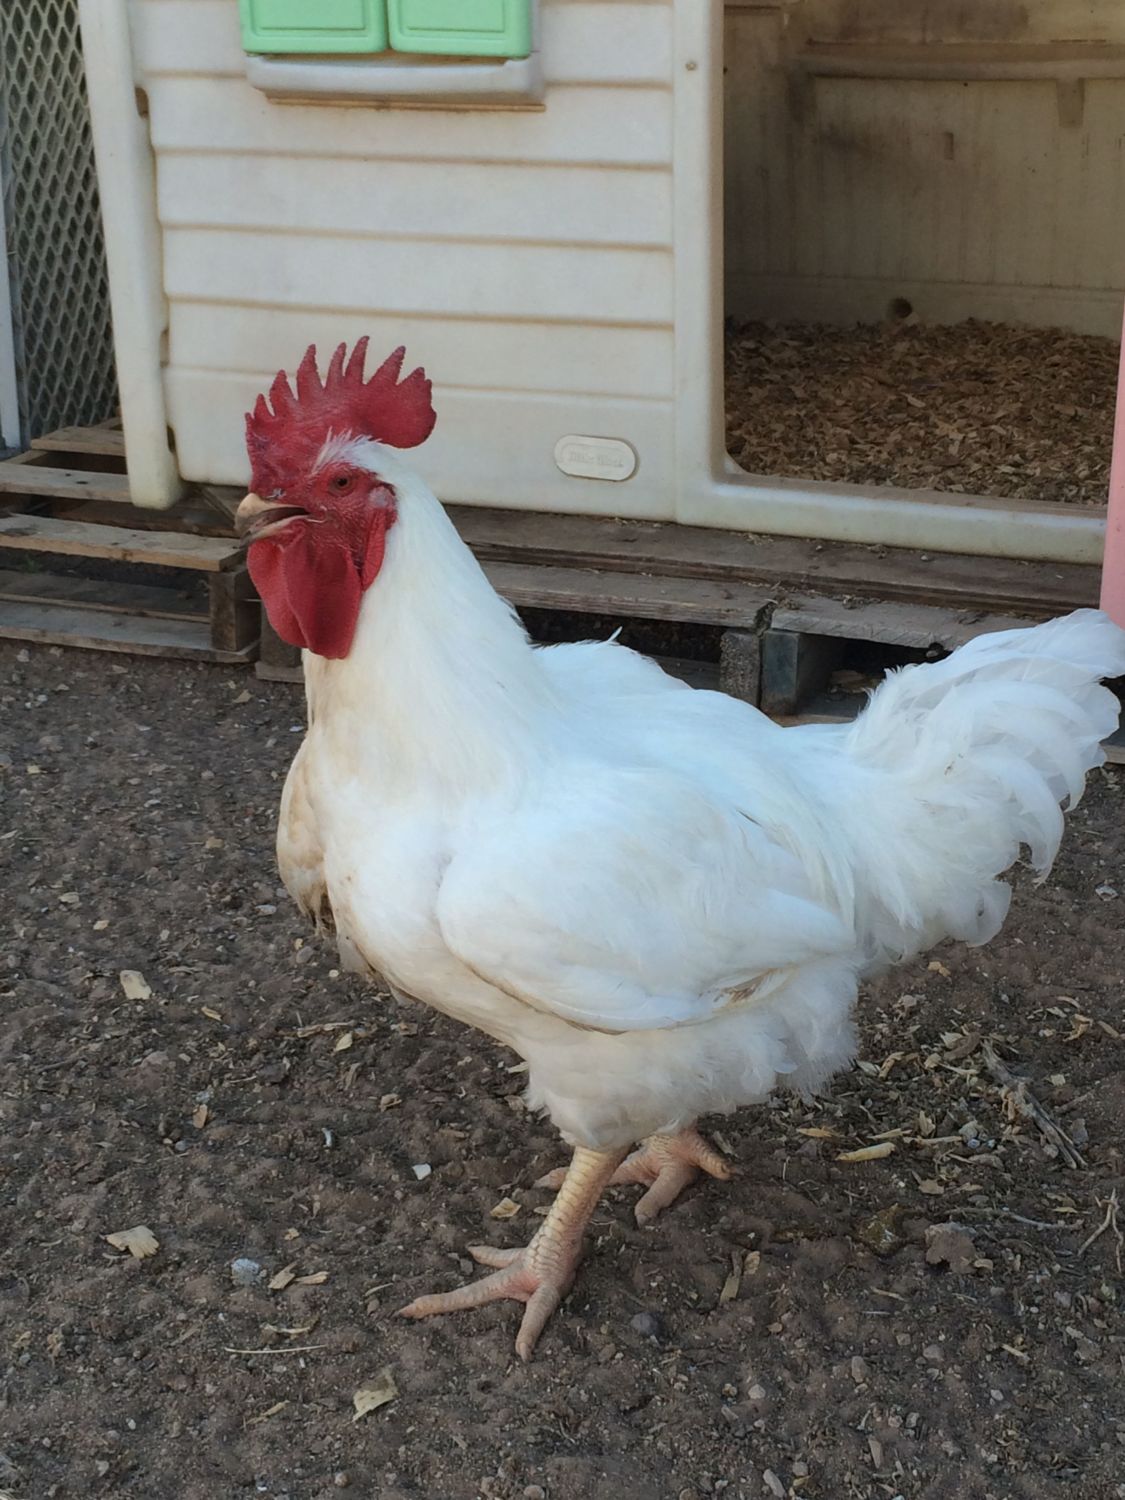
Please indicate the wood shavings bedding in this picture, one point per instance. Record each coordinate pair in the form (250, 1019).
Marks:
(973, 408)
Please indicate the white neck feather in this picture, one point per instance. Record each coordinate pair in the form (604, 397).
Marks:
(441, 687)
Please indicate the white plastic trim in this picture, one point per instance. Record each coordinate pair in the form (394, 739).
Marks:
(392, 79)
(126, 182)
(897, 518)
(697, 165)
(710, 489)
(9, 396)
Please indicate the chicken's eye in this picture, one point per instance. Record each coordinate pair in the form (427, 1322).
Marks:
(342, 483)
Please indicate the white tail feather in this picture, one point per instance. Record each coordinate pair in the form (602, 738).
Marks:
(967, 760)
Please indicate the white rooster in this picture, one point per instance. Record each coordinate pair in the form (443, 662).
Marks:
(660, 899)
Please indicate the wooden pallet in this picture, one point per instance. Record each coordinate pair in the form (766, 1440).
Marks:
(784, 608)
(784, 605)
(58, 507)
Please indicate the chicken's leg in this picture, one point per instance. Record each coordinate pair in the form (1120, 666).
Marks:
(541, 1275)
(665, 1165)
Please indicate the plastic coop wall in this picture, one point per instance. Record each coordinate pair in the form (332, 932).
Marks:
(557, 266)
(965, 157)
(524, 256)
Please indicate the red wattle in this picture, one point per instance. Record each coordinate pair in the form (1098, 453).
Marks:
(312, 586)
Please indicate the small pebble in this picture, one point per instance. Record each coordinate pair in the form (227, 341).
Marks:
(341, 1479)
(534, 1492)
(244, 1272)
(647, 1324)
(933, 1354)
(860, 1371)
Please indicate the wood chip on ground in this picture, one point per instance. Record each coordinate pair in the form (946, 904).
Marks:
(973, 408)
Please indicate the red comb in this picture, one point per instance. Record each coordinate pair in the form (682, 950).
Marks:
(390, 410)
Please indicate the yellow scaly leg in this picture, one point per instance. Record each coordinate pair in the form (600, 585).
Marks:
(542, 1274)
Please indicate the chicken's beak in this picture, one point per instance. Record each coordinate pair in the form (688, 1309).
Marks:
(256, 518)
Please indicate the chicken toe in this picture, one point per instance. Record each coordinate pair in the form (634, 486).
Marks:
(664, 1165)
(540, 1275)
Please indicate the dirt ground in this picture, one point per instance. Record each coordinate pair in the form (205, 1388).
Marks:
(973, 408)
(808, 1331)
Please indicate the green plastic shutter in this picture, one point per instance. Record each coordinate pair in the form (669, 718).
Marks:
(323, 26)
(465, 28)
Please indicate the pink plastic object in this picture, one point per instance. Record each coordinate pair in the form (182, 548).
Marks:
(1113, 561)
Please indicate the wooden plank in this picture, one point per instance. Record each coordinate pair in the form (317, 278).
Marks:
(702, 601)
(192, 515)
(267, 672)
(149, 600)
(895, 624)
(960, 62)
(824, 711)
(963, 581)
(794, 665)
(29, 456)
(277, 654)
(44, 480)
(223, 501)
(235, 610)
(697, 674)
(99, 630)
(119, 544)
(107, 441)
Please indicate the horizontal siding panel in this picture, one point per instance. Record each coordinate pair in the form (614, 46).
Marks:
(438, 200)
(558, 357)
(583, 41)
(488, 448)
(595, 125)
(472, 280)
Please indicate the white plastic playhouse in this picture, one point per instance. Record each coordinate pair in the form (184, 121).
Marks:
(527, 193)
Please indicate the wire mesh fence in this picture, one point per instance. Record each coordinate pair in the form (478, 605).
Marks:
(55, 251)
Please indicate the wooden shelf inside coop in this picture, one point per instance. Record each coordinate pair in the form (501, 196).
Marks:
(963, 62)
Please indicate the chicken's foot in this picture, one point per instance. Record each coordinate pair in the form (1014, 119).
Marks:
(542, 1274)
(665, 1165)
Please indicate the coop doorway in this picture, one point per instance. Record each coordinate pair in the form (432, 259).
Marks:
(922, 282)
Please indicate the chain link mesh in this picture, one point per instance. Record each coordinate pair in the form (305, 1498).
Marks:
(60, 293)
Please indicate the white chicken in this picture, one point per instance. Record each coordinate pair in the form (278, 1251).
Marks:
(657, 897)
